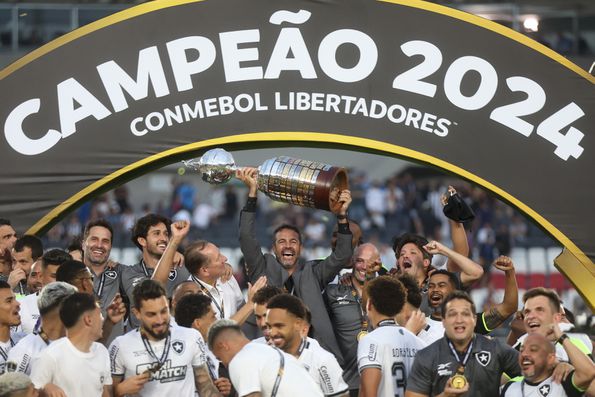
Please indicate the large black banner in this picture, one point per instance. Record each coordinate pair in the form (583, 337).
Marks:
(164, 79)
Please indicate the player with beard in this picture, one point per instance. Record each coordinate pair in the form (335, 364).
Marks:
(7, 235)
(156, 359)
(151, 234)
(261, 299)
(461, 353)
(344, 304)
(442, 283)
(26, 251)
(288, 321)
(256, 369)
(285, 270)
(538, 360)
(414, 258)
(9, 317)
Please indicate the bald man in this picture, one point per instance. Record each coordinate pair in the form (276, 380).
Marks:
(344, 303)
(538, 360)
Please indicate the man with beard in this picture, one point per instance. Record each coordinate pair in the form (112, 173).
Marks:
(256, 369)
(49, 263)
(442, 283)
(261, 299)
(151, 234)
(461, 362)
(34, 280)
(543, 308)
(284, 270)
(287, 319)
(27, 249)
(9, 317)
(156, 359)
(344, 304)
(414, 257)
(538, 360)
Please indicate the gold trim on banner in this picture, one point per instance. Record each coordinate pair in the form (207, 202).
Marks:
(161, 4)
(287, 136)
(579, 275)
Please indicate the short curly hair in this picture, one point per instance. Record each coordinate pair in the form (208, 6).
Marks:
(387, 295)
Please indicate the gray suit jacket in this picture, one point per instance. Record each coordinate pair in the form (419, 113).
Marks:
(310, 278)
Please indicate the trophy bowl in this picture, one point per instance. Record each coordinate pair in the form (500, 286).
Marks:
(286, 179)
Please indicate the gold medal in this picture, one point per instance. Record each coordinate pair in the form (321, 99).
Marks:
(458, 381)
(361, 334)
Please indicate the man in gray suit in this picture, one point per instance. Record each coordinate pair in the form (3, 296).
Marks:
(284, 269)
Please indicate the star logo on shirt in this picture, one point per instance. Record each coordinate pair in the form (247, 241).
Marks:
(483, 357)
(178, 346)
(544, 390)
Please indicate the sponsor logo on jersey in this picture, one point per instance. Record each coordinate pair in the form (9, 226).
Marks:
(178, 346)
(111, 274)
(444, 369)
(137, 280)
(326, 379)
(483, 357)
(167, 373)
(372, 352)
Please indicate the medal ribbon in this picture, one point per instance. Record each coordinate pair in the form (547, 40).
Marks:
(363, 316)
(160, 361)
(99, 290)
(279, 373)
(144, 267)
(467, 354)
(387, 322)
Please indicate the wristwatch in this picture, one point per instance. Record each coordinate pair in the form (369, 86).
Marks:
(562, 338)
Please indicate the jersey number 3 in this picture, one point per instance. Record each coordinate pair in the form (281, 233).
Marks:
(400, 376)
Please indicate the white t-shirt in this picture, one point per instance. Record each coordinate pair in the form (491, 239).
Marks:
(29, 312)
(392, 350)
(255, 369)
(433, 331)
(77, 373)
(24, 353)
(545, 388)
(323, 368)
(226, 297)
(129, 357)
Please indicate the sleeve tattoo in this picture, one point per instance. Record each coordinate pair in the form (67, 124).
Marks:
(204, 383)
(493, 318)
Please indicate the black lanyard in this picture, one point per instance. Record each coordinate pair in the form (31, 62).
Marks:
(211, 367)
(279, 373)
(363, 316)
(462, 363)
(204, 289)
(160, 361)
(99, 290)
(144, 267)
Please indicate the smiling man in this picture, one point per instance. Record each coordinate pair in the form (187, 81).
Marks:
(156, 359)
(538, 360)
(284, 269)
(151, 234)
(438, 368)
(543, 308)
(26, 251)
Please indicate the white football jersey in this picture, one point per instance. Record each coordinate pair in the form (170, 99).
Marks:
(255, 369)
(391, 349)
(323, 368)
(24, 353)
(433, 331)
(129, 357)
(545, 388)
(29, 312)
(77, 373)
(5, 348)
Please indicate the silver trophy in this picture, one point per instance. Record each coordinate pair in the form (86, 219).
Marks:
(290, 180)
